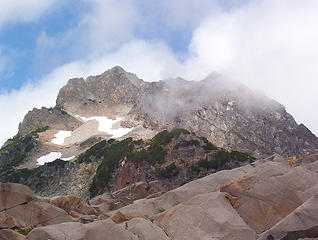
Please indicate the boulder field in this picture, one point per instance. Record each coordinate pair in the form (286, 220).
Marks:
(267, 200)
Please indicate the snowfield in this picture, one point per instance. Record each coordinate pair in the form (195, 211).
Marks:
(60, 136)
(49, 158)
(106, 125)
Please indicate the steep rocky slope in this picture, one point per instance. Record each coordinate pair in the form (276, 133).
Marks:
(54, 117)
(227, 113)
(166, 161)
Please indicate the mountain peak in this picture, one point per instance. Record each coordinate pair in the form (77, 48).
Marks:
(117, 75)
(118, 69)
(113, 87)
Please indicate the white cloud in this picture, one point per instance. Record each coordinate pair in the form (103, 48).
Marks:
(16, 104)
(108, 24)
(13, 11)
(269, 45)
(148, 60)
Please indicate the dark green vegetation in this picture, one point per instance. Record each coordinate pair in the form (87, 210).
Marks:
(186, 144)
(38, 178)
(60, 108)
(111, 156)
(220, 159)
(16, 140)
(15, 151)
(153, 152)
(164, 156)
(96, 151)
(164, 137)
(208, 147)
(92, 100)
(168, 172)
(23, 231)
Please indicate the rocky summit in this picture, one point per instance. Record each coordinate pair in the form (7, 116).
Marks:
(118, 157)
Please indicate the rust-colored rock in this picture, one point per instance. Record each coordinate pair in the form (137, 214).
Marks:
(205, 216)
(67, 203)
(13, 194)
(118, 217)
(269, 194)
(8, 234)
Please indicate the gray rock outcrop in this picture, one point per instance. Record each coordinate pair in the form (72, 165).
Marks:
(55, 118)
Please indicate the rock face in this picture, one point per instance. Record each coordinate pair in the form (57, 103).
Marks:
(19, 208)
(261, 195)
(109, 90)
(270, 194)
(300, 224)
(227, 113)
(7, 234)
(13, 195)
(136, 229)
(150, 208)
(56, 178)
(203, 216)
(55, 118)
(186, 157)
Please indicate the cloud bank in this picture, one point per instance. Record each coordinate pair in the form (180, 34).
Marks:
(268, 45)
(14, 11)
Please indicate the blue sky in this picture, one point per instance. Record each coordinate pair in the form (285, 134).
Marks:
(19, 41)
(268, 45)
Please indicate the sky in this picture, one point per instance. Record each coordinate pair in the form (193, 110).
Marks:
(268, 45)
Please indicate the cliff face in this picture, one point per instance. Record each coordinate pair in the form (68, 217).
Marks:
(100, 93)
(55, 118)
(228, 114)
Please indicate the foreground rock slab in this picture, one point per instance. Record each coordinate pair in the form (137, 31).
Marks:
(7, 234)
(13, 194)
(300, 224)
(205, 216)
(19, 208)
(150, 208)
(136, 229)
(268, 195)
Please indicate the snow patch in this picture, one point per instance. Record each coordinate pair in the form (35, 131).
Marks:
(68, 158)
(106, 125)
(49, 158)
(60, 137)
(230, 105)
